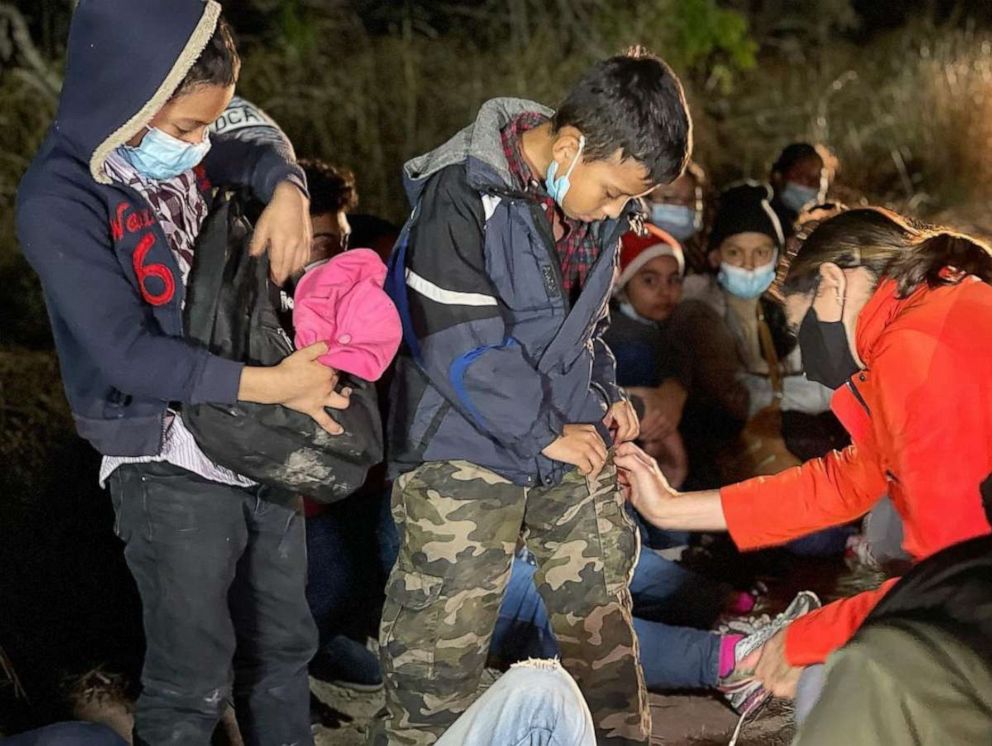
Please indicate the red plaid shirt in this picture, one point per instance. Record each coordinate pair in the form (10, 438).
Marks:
(576, 249)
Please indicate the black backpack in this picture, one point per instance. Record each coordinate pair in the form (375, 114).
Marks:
(233, 309)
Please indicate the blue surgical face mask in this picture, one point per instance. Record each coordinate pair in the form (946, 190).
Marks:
(796, 196)
(746, 283)
(678, 220)
(558, 186)
(161, 156)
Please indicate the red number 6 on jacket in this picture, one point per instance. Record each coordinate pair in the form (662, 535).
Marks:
(144, 271)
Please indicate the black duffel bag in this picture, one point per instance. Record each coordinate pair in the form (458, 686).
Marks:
(232, 309)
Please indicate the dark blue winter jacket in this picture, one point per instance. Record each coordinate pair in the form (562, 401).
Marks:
(495, 359)
(113, 289)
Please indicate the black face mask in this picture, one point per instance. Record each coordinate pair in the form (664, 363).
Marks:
(827, 357)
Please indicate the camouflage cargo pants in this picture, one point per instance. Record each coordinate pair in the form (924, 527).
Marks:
(461, 524)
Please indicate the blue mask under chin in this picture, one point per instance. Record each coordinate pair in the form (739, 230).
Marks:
(678, 220)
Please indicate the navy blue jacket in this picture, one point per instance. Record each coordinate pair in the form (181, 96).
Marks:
(112, 287)
(495, 359)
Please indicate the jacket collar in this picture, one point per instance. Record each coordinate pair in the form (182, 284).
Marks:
(884, 307)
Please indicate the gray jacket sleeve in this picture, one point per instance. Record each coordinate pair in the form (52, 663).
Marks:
(249, 149)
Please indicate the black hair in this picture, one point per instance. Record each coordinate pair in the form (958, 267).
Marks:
(889, 246)
(793, 153)
(218, 63)
(633, 103)
(332, 188)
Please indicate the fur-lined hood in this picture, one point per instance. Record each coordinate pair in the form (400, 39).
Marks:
(125, 59)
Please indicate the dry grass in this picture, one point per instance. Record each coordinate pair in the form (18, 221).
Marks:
(907, 113)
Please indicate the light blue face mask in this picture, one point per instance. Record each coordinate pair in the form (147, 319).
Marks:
(746, 283)
(161, 156)
(678, 220)
(796, 196)
(558, 186)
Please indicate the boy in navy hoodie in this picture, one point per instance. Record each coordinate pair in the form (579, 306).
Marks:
(108, 214)
(505, 399)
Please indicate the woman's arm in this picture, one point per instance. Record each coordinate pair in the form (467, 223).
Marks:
(658, 503)
(760, 512)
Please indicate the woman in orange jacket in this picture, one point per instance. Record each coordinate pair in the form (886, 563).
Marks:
(898, 320)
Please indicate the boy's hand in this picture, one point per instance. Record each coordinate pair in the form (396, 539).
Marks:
(308, 386)
(284, 229)
(622, 420)
(581, 446)
(300, 382)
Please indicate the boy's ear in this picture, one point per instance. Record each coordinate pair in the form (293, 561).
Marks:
(713, 258)
(566, 144)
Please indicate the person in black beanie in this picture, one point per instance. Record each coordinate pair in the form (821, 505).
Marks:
(731, 343)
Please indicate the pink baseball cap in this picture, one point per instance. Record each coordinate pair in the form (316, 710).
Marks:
(342, 302)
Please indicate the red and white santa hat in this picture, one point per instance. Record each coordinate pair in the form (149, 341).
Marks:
(636, 251)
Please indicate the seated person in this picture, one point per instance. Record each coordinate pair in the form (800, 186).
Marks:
(731, 345)
(801, 176)
(672, 655)
(646, 293)
(679, 209)
(336, 225)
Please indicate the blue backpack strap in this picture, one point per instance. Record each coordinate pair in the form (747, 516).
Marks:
(396, 287)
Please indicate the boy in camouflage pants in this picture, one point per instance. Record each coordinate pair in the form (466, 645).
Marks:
(505, 396)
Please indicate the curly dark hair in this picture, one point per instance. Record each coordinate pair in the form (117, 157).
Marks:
(332, 188)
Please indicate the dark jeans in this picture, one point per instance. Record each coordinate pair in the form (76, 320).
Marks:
(221, 572)
(665, 591)
(346, 578)
(67, 734)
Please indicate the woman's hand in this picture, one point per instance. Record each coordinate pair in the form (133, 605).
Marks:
(646, 487)
(284, 229)
(300, 382)
(772, 668)
(656, 501)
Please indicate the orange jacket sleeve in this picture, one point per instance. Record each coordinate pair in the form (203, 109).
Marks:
(828, 491)
(813, 637)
